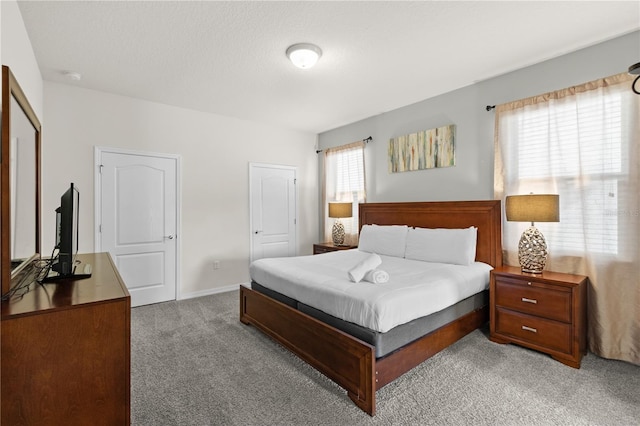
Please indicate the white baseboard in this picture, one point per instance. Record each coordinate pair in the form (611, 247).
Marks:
(211, 291)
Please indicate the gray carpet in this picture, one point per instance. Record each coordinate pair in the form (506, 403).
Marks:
(194, 363)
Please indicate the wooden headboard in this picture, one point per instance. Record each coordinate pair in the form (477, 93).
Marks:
(484, 215)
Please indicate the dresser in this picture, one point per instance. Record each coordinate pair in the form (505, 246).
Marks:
(327, 247)
(66, 351)
(545, 312)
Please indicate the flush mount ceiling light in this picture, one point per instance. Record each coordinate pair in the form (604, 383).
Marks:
(304, 55)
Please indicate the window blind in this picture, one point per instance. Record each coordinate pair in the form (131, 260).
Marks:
(349, 173)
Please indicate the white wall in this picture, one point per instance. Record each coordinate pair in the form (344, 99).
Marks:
(215, 152)
(17, 54)
(472, 177)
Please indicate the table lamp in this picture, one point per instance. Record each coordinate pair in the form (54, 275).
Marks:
(338, 211)
(532, 248)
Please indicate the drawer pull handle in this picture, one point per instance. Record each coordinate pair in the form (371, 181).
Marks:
(531, 329)
(534, 301)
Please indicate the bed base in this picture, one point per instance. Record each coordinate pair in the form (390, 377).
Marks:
(348, 361)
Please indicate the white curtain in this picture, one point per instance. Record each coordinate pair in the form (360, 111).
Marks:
(583, 144)
(344, 181)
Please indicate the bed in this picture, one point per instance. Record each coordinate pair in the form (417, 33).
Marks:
(343, 354)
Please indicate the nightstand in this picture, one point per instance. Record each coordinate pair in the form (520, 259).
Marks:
(327, 247)
(546, 312)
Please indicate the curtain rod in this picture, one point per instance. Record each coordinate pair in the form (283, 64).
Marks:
(490, 107)
(365, 140)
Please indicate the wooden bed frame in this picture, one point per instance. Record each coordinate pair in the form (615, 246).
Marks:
(350, 362)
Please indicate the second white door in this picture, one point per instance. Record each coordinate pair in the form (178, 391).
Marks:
(273, 210)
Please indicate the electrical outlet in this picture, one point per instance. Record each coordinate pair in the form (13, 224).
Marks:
(216, 264)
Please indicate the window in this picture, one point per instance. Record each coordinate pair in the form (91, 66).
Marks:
(349, 173)
(577, 146)
(345, 182)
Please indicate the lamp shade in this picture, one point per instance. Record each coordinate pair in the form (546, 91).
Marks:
(533, 208)
(338, 210)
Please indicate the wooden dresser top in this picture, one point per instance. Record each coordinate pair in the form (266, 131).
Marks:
(105, 284)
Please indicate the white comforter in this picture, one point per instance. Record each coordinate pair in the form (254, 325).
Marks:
(415, 289)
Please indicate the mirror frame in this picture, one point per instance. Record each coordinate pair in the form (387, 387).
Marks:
(11, 88)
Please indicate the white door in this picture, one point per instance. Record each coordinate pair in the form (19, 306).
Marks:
(272, 195)
(138, 221)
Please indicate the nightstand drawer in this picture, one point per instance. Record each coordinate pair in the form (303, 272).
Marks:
(550, 334)
(535, 300)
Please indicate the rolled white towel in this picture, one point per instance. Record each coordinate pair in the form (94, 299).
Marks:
(377, 276)
(356, 274)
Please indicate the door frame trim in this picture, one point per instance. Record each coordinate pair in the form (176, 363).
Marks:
(97, 203)
(253, 165)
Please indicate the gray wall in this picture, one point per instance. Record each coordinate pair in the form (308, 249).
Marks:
(472, 177)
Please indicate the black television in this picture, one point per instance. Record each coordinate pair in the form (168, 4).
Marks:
(67, 217)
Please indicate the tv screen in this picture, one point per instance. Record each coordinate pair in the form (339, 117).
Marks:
(67, 216)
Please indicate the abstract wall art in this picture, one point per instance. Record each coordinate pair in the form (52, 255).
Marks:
(427, 149)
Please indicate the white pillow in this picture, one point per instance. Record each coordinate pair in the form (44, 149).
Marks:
(389, 240)
(457, 246)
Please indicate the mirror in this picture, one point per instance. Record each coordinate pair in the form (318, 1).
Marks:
(20, 182)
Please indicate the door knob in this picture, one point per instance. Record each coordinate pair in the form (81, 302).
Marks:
(169, 237)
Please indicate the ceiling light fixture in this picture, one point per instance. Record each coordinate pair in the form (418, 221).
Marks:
(304, 55)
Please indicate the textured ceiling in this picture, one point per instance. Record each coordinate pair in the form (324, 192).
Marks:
(229, 58)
